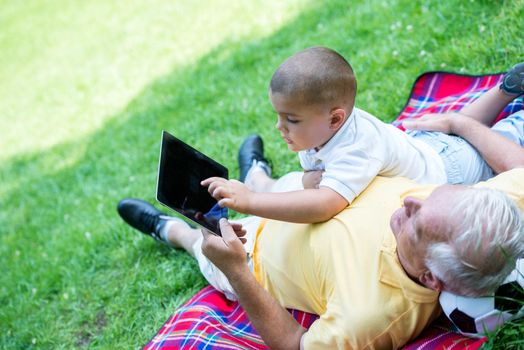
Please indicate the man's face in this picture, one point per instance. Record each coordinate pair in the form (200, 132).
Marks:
(301, 126)
(419, 223)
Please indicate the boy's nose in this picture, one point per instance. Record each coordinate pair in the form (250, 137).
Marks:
(279, 125)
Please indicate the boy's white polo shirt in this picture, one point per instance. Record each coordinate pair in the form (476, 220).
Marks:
(365, 147)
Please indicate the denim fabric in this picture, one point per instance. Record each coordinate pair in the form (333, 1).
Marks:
(512, 127)
(462, 163)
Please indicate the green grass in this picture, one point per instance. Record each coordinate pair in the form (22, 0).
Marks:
(86, 88)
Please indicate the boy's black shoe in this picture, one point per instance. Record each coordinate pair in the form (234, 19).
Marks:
(513, 82)
(251, 153)
(143, 216)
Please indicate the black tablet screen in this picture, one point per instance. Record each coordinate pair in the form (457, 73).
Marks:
(180, 171)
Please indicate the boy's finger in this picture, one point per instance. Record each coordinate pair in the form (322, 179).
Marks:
(209, 180)
(212, 188)
(225, 202)
(206, 182)
(217, 191)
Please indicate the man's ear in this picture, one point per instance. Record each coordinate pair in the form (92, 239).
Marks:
(431, 281)
(338, 117)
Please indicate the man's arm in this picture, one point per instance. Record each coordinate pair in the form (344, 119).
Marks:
(500, 153)
(488, 106)
(276, 326)
(303, 206)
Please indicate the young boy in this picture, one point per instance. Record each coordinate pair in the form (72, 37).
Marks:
(313, 93)
(474, 128)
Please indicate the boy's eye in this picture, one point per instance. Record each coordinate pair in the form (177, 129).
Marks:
(291, 120)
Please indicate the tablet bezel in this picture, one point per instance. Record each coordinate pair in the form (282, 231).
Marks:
(194, 167)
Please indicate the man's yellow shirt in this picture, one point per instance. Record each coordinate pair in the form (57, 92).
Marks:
(346, 269)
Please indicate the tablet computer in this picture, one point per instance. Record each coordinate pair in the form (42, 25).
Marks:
(181, 168)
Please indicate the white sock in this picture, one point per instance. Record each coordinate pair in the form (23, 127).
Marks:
(164, 231)
(258, 166)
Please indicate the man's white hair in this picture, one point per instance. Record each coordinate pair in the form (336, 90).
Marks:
(486, 240)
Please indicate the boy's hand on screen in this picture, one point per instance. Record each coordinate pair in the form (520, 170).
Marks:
(229, 193)
(312, 178)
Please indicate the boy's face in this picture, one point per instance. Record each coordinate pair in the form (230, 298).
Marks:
(302, 126)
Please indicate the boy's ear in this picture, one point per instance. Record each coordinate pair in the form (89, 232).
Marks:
(338, 117)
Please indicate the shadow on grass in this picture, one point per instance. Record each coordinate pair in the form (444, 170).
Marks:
(70, 259)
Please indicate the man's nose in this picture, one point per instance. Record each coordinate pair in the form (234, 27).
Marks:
(412, 205)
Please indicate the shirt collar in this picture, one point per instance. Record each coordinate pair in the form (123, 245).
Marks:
(392, 273)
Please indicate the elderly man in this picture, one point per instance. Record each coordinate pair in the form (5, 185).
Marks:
(374, 271)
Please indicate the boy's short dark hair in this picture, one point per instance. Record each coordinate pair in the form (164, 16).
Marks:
(316, 76)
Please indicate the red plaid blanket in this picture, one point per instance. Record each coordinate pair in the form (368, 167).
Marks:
(209, 320)
(441, 92)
